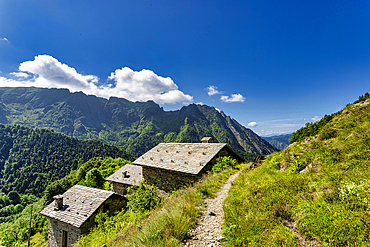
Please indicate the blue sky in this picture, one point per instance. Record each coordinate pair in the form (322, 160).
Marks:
(271, 65)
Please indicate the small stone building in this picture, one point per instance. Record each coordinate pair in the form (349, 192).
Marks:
(73, 213)
(126, 176)
(172, 166)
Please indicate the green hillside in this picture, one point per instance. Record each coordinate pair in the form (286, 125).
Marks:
(15, 232)
(134, 126)
(314, 193)
(30, 159)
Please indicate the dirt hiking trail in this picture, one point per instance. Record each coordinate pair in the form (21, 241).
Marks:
(208, 232)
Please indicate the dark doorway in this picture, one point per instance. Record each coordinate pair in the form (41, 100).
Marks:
(64, 238)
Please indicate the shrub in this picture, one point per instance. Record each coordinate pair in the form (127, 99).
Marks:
(93, 179)
(223, 163)
(142, 198)
(328, 133)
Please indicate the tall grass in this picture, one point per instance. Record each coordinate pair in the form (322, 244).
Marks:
(167, 225)
(327, 204)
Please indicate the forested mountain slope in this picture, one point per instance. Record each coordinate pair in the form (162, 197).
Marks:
(279, 141)
(30, 159)
(135, 126)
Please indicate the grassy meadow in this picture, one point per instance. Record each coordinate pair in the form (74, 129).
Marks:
(314, 193)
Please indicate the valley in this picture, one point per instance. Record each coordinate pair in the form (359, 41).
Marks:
(317, 181)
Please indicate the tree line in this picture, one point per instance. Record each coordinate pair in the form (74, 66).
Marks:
(312, 129)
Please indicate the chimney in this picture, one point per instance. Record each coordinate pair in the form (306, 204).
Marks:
(58, 204)
(124, 174)
(207, 140)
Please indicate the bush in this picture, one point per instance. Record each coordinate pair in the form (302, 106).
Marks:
(14, 197)
(223, 163)
(328, 133)
(93, 179)
(142, 198)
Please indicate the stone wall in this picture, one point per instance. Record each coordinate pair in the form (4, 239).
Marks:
(55, 233)
(115, 204)
(120, 188)
(167, 181)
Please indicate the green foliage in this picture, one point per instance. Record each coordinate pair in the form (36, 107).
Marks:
(93, 179)
(14, 197)
(356, 195)
(319, 189)
(4, 200)
(11, 209)
(13, 204)
(2, 237)
(16, 232)
(311, 129)
(142, 198)
(17, 229)
(30, 159)
(105, 166)
(362, 98)
(328, 133)
(224, 163)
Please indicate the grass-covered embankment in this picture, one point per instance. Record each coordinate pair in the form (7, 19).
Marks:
(279, 204)
(167, 225)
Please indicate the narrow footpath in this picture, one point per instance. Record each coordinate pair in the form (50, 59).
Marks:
(208, 232)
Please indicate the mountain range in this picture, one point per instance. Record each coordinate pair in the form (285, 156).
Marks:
(279, 141)
(134, 126)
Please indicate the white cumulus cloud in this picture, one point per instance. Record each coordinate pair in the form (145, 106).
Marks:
(212, 90)
(20, 74)
(142, 85)
(234, 98)
(146, 85)
(252, 124)
(267, 133)
(314, 119)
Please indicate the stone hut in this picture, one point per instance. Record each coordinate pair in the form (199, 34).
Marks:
(126, 176)
(207, 140)
(171, 166)
(73, 213)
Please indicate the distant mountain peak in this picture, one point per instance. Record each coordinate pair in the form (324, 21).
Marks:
(135, 126)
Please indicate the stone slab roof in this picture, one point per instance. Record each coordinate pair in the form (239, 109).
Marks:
(133, 177)
(79, 203)
(189, 158)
